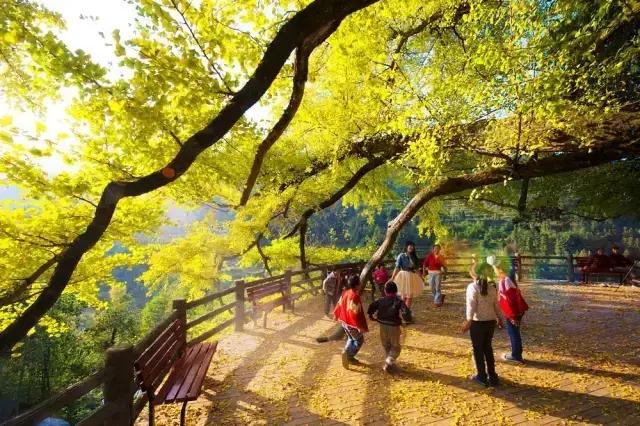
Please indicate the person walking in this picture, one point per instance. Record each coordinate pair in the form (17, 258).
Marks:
(329, 289)
(434, 267)
(482, 315)
(350, 312)
(389, 310)
(409, 283)
(380, 277)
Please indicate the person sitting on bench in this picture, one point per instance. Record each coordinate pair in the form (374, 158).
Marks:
(621, 263)
(599, 262)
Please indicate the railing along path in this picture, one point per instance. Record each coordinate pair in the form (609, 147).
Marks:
(122, 402)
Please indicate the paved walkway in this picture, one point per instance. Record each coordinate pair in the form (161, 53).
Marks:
(582, 345)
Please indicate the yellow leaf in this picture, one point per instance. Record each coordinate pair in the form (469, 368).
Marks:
(6, 120)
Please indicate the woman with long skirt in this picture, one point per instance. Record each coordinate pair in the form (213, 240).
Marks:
(410, 284)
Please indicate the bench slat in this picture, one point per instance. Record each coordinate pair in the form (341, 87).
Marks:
(155, 374)
(154, 355)
(185, 373)
(172, 381)
(202, 372)
(186, 379)
(157, 343)
(265, 291)
(197, 369)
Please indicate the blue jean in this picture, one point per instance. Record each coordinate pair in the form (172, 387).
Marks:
(516, 340)
(435, 282)
(355, 340)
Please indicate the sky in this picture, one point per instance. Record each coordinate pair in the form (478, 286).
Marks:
(89, 25)
(85, 20)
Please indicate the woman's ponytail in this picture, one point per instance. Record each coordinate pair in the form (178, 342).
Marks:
(484, 272)
(484, 286)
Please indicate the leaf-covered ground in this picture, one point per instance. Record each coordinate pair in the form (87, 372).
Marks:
(582, 347)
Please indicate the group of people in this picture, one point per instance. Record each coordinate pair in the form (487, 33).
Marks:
(615, 262)
(409, 275)
(487, 305)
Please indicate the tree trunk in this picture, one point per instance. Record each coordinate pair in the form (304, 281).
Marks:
(303, 240)
(263, 256)
(524, 193)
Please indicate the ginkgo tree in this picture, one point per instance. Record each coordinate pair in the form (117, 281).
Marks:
(444, 96)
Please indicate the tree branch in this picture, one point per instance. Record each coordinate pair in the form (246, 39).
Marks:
(308, 21)
(553, 164)
(348, 186)
(14, 294)
(212, 65)
(264, 257)
(299, 80)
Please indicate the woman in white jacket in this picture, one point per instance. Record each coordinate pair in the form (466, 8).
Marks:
(482, 315)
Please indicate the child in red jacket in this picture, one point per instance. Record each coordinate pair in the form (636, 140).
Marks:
(350, 312)
(513, 306)
(380, 278)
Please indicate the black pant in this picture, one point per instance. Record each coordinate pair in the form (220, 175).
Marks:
(481, 335)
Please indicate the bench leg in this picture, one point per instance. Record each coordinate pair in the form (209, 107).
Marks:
(151, 410)
(183, 412)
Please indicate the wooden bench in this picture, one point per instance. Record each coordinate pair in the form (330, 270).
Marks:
(583, 262)
(257, 296)
(186, 367)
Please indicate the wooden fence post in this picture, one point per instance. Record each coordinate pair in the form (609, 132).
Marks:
(287, 284)
(570, 273)
(324, 273)
(180, 305)
(239, 310)
(119, 386)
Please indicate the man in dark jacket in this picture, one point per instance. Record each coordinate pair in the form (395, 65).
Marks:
(330, 289)
(389, 311)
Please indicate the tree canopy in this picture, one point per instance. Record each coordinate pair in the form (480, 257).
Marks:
(358, 96)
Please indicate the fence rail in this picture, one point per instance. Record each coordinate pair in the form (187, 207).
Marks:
(117, 377)
(71, 394)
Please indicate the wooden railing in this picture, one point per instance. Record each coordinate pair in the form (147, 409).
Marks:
(205, 318)
(210, 316)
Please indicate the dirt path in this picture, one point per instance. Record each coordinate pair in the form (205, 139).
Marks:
(582, 345)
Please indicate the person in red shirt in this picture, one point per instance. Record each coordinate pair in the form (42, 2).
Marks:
(380, 278)
(350, 312)
(434, 266)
